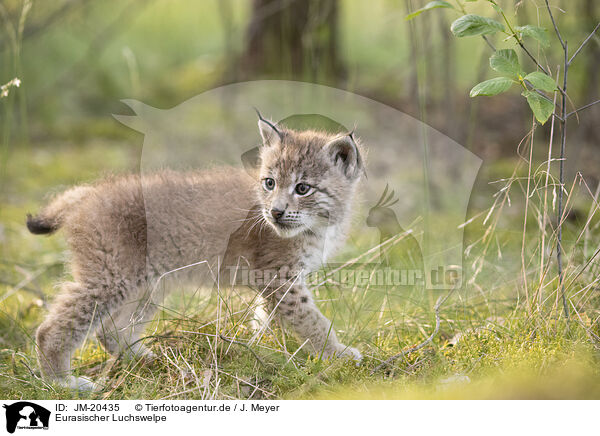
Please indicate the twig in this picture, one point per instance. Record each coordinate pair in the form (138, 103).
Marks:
(583, 107)
(539, 290)
(561, 182)
(564, 45)
(584, 43)
(175, 394)
(537, 91)
(267, 393)
(528, 54)
(439, 302)
(531, 56)
(487, 40)
(233, 341)
(35, 292)
(516, 37)
(523, 242)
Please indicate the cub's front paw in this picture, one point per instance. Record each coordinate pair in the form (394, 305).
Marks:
(82, 384)
(147, 356)
(353, 354)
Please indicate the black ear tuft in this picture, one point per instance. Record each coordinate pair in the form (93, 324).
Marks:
(268, 131)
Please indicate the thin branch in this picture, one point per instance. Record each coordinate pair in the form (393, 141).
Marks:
(129, 347)
(387, 362)
(564, 46)
(563, 106)
(516, 37)
(584, 43)
(531, 57)
(526, 51)
(561, 278)
(583, 107)
(487, 40)
(35, 292)
(537, 91)
(562, 91)
(233, 341)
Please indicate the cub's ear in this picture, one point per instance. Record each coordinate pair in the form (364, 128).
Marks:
(345, 154)
(269, 133)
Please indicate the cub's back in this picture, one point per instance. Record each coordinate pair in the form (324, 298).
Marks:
(166, 219)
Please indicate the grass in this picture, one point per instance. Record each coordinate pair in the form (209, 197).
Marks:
(488, 345)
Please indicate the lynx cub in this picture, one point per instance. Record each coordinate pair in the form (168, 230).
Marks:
(124, 233)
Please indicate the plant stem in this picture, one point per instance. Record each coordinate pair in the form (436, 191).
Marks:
(561, 179)
(545, 207)
(523, 241)
(583, 107)
(530, 55)
(486, 39)
(555, 26)
(516, 37)
(561, 183)
(584, 43)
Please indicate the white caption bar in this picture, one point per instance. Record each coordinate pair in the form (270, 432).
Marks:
(133, 417)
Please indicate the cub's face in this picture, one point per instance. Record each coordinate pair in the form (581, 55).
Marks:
(307, 179)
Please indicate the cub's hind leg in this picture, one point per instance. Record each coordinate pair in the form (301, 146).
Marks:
(76, 313)
(121, 332)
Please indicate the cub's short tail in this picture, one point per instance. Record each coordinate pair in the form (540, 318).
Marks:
(39, 225)
(52, 217)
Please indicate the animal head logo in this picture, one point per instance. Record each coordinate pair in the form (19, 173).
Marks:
(24, 414)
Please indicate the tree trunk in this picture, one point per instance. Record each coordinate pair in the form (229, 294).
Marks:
(292, 39)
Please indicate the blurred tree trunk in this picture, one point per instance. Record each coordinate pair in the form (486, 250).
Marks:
(292, 39)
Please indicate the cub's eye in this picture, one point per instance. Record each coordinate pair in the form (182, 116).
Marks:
(269, 184)
(302, 189)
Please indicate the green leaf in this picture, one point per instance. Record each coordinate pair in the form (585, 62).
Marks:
(491, 87)
(542, 107)
(431, 5)
(506, 62)
(538, 33)
(541, 81)
(470, 25)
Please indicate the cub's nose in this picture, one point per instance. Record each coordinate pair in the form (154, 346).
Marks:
(276, 213)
